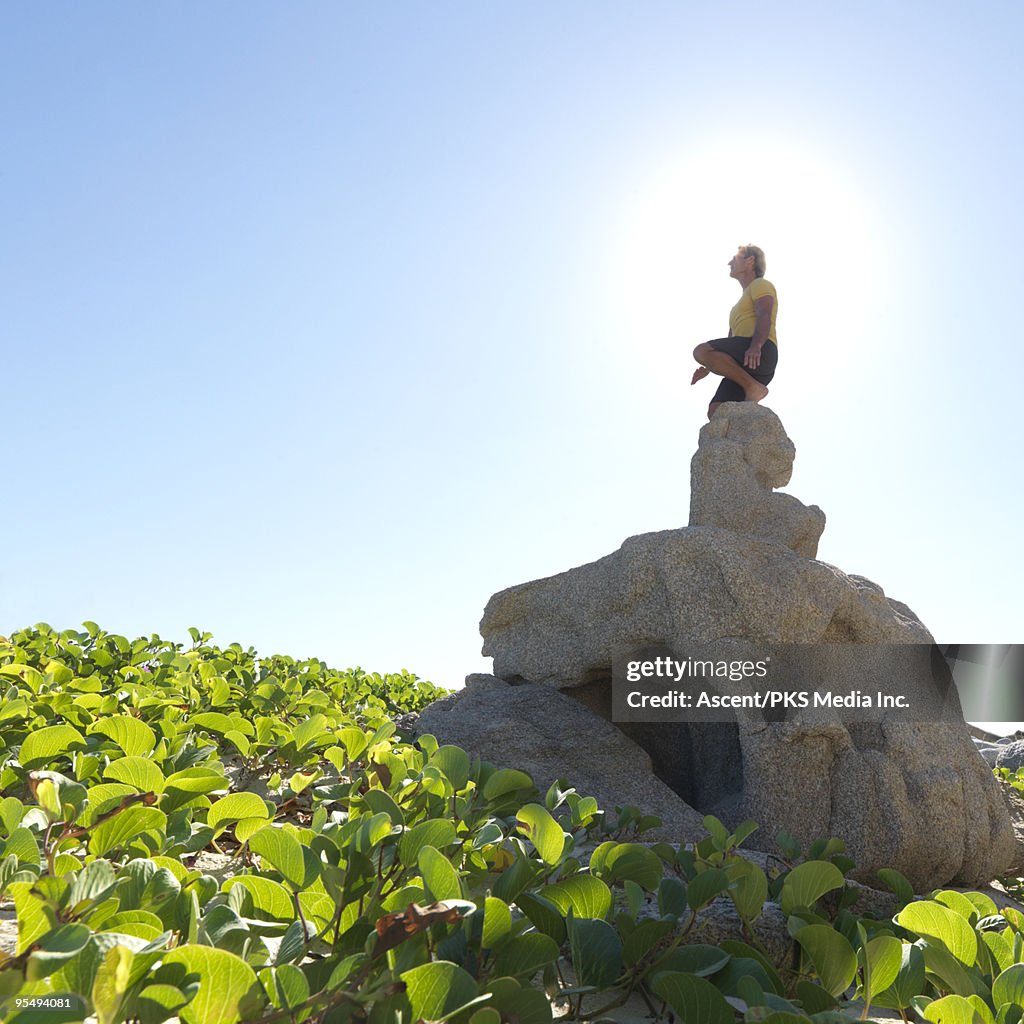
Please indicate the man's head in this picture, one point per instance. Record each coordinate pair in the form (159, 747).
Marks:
(752, 252)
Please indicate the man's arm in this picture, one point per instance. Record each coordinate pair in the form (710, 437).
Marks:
(763, 308)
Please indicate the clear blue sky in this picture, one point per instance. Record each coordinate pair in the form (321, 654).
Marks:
(322, 322)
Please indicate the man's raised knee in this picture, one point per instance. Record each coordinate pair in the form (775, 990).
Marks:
(701, 351)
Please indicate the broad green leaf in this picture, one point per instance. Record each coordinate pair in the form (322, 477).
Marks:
(175, 867)
(497, 922)
(79, 973)
(807, 883)
(1000, 947)
(909, 983)
(158, 1003)
(814, 999)
(695, 1000)
(377, 800)
(543, 914)
(884, 956)
(213, 721)
(955, 977)
(438, 989)
(520, 1004)
(699, 959)
(718, 832)
(454, 762)
(525, 955)
(23, 845)
(286, 984)
(139, 772)
(129, 917)
(1009, 986)
(833, 957)
(93, 882)
(586, 895)
(55, 949)
(487, 1015)
(240, 742)
(225, 983)
(535, 822)
(632, 862)
(11, 812)
(354, 741)
(52, 741)
(735, 977)
(982, 1008)
(220, 692)
(705, 887)
(436, 832)
(749, 888)
(982, 903)
(596, 952)
(234, 807)
(317, 907)
(33, 919)
(281, 851)
(103, 797)
(441, 877)
(182, 786)
(162, 888)
(516, 878)
(959, 903)
(311, 733)
(935, 921)
(951, 1010)
(372, 831)
(132, 735)
(897, 883)
(644, 938)
(111, 984)
(118, 831)
(293, 943)
(672, 897)
(270, 898)
(504, 781)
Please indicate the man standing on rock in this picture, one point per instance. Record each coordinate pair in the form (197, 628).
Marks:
(746, 359)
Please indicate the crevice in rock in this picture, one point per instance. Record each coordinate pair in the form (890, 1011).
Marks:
(702, 762)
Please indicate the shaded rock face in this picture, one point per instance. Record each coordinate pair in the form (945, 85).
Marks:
(541, 731)
(915, 796)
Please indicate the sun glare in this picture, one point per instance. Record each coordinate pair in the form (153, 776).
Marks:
(817, 229)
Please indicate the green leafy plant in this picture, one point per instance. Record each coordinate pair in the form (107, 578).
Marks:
(204, 834)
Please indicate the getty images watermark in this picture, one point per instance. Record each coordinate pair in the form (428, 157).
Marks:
(849, 682)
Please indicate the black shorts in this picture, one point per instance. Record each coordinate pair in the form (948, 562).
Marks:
(730, 391)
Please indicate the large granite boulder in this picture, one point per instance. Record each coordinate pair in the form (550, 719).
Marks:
(913, 794)
(677, 587)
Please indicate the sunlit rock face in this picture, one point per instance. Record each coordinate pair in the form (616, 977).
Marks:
(743, 456)
(742, 577)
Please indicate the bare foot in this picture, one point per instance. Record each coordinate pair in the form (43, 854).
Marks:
(757, 394)
(699, 374)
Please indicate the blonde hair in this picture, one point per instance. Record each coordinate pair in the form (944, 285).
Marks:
(758, 254)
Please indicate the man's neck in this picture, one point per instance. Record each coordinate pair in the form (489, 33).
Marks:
(745, 279)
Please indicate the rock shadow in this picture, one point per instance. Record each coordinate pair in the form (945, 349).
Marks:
(702, 762)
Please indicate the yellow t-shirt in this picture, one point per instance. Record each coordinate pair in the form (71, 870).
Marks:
(743, 316)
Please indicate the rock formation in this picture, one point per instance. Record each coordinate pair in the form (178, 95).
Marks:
(741, 578)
